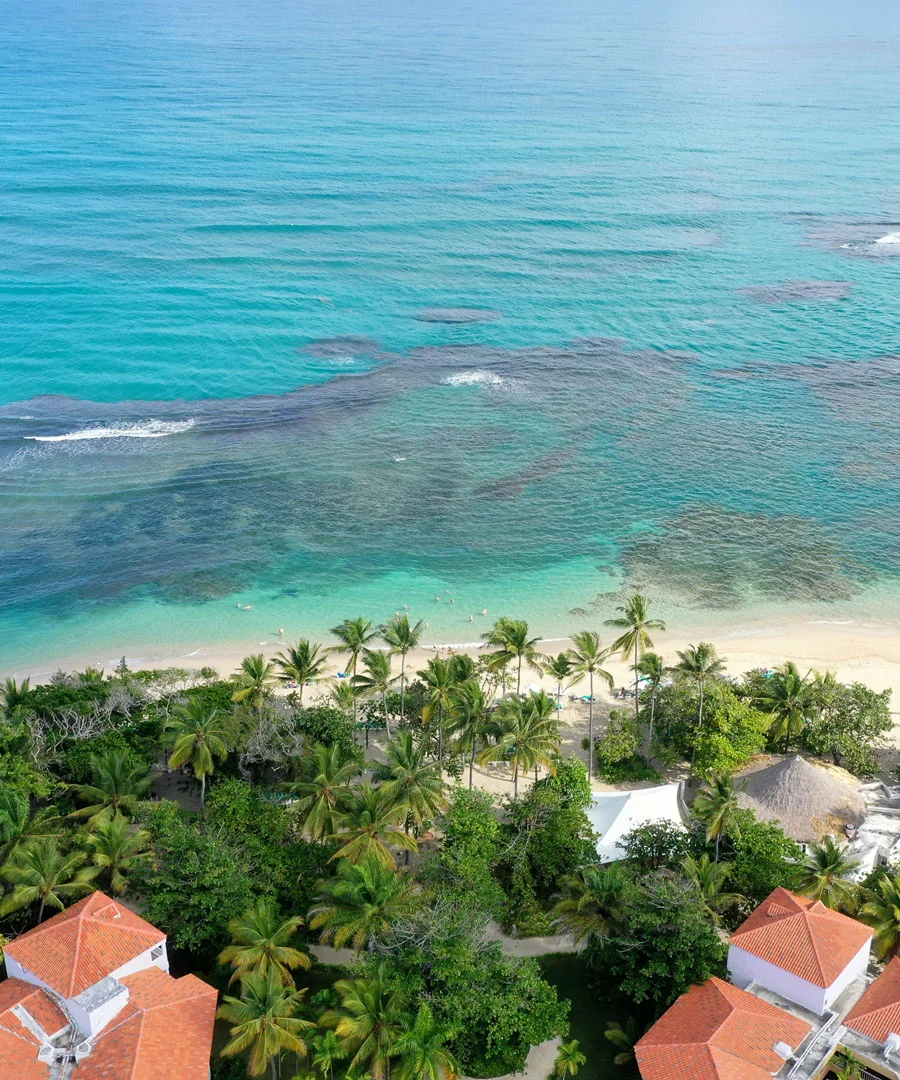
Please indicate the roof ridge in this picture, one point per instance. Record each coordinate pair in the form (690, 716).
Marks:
(76, 958)
(804, 915)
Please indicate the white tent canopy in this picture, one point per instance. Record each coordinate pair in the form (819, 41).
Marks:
(615, 813)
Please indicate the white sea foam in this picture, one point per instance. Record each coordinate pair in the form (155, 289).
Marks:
(479, 377)
(139, 429)
(891, 238)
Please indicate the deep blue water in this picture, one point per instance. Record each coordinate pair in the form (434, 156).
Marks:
(500, 300)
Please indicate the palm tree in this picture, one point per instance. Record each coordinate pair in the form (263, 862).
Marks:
(322, 789)
(588, 657)
(302, 663)
(569, 1060)
(360, 902)
(787, 696)
(529, 735)
(197, 737)
(376, 680)
(700, 663)
(422, 1049)
(496, 666)
(717, 807)
(263, 1022)
(369, 1021)
(370, 825)
(345, 695)
(410, 780)
(91, 676)
(260, 943)
(440, 682)
(400, 638)
(824, 874)
(882, 913)
(623, 1038)
(463, 667)
(469, 719)
(117, 786)
(510, 638)
(652, 668)
(353, 635)
(635, 622)
(848, 1066)
(119, 851)
(13, 695)
(710, 878)
(589, 900)
(562, 668)
(18, 825)
(256, 676)
(327, 1052)
(39, 873)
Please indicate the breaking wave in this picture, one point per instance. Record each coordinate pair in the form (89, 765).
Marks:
(141, 429)
(473, 378)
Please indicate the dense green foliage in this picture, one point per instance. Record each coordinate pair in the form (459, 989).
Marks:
(249, 823)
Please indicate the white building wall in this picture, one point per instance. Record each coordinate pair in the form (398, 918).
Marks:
(14, 970)
(90, 1023)
(855, 969)
(744, 968)
(142, 962)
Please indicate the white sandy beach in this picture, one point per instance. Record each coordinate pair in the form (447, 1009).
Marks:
(869, 653)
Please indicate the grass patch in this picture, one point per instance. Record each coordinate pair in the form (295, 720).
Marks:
(588, 1017)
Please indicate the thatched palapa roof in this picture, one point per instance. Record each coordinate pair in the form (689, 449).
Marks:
(809, 800)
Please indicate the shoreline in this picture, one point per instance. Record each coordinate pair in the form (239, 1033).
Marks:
(867, 652)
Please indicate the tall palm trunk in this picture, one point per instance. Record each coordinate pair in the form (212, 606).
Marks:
(699, 722)
(637, 710)
(41, 909)
(652, 718)
(472, 762)
(591, 726)
(301, 695)
(516, 779)
(202, 791)
(387, 722)
(402, 687)
(519, 676)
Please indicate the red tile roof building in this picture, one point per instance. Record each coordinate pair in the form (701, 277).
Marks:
(89, 996)
(800, 950)
(718, 1032)
(802, 936)
(877, 1013)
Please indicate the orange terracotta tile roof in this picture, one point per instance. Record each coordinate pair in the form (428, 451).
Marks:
(19, 1046)
(166, 1021)
(802, 936)
(84, 944)
(877, 1013)
(718, 1032)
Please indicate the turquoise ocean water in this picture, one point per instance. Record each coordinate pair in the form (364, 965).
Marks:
(326, 308)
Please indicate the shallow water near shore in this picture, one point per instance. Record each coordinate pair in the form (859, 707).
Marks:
(326, 311)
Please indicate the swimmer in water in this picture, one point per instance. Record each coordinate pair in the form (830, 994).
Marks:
(484, 611)
(281, 631)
